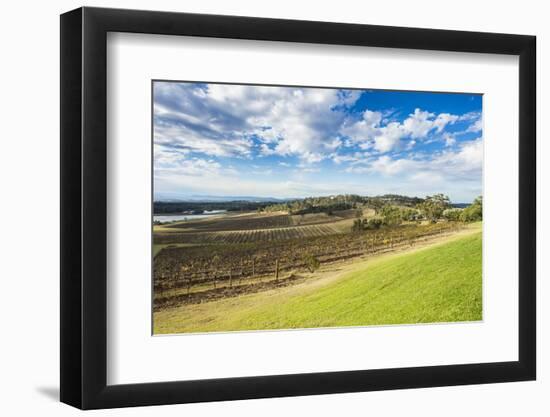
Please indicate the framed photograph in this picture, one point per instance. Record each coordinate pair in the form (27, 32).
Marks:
(259, 208)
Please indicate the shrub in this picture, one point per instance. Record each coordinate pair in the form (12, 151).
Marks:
(358, 225)
(433, 206)
(474, 212)
(312, 263)
(374, 224)
(391, 215)
(453, 214)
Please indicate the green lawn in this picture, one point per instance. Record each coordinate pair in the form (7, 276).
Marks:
(441, 283)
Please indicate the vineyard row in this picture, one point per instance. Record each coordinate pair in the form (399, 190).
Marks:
(226, 264)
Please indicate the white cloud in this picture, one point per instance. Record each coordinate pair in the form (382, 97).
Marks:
(349, 97)
(310, 170)
(352, 159)
(443, 120)
(194, 167)
(418, 124)
(369, 132)
(186, 139)
(264, 185)
(449, 139)
(212, 119)
(476, 126)
(386, 166)
(266, 150)
(267, 134)
(389, 136)
(197, 126)
(463, 163)
(475, 120)
(170, 162)
(262, 172)
(473, 115)
(372, 118)
(467, 161)
(338, 159)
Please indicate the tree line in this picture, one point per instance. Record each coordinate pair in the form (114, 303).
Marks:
(330, 204)
(433, 209)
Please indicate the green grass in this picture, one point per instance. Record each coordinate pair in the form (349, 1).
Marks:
(441, 283)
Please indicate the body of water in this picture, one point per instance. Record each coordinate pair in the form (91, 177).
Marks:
(165, 218)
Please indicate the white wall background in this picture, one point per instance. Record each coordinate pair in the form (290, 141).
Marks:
(29, 175)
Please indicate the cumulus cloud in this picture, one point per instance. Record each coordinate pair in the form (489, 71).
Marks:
(371, 131)
(476, 126)
(173, 161)
(224, 120)
(183, 119)
(465, 163)
(449, 139)
(386, 166)
(202, 131)
(265, 150)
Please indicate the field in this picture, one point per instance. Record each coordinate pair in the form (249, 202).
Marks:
(189, 271)
(440, 282)
(199, 264)
(251, 227)
(249, 236)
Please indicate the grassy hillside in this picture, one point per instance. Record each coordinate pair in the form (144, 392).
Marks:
(441, 283)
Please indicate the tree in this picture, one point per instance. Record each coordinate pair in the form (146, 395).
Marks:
(391, 215)
(409, 214)
(374, 224)
(358, 225)
(376, 204)
(474, 212)
(453, 214)
(432, 207)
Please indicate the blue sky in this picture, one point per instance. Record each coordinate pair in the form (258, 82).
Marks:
(291, 142)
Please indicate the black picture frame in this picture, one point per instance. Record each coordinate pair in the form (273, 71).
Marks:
(84, 207)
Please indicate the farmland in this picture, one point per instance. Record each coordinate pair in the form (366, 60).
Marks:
(437, 282)
(253, 228)
(278, 249)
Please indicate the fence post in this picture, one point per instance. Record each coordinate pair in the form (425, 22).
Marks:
(276, 270)
(230, 279)
(242, 271)
(253, 268)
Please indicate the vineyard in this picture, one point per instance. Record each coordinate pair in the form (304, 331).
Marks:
(245, 222)
(431, 283)
(219, 262)
(247, 236)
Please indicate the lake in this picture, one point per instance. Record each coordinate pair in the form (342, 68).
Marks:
(165, 218)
